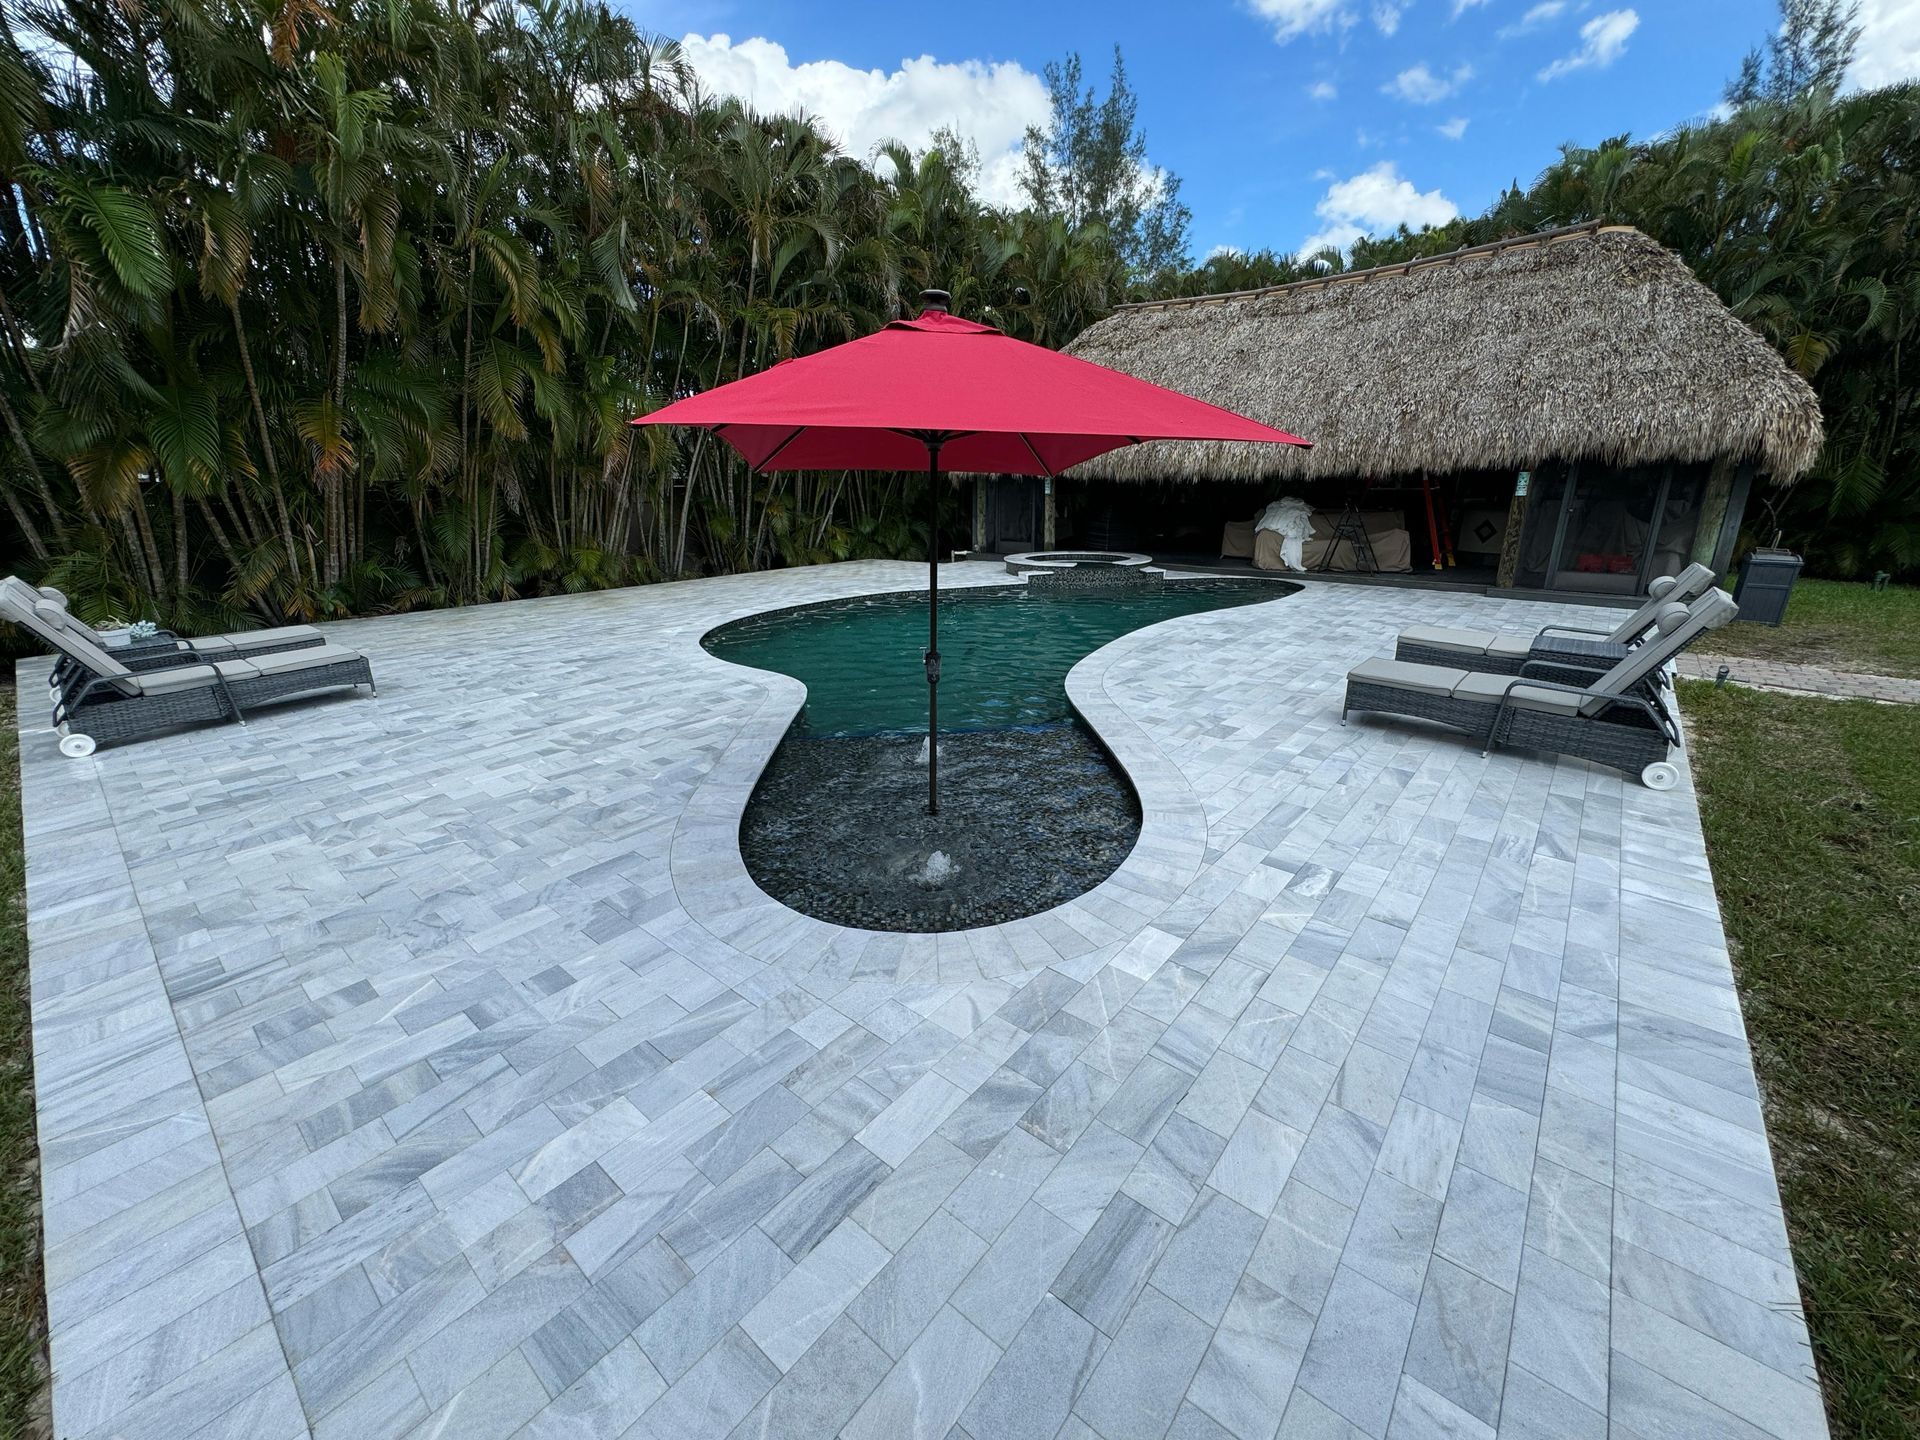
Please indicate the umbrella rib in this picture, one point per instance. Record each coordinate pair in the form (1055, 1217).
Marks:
(1045, 468)
(774, 454)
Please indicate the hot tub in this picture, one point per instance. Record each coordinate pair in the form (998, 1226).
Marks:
(1044, 562)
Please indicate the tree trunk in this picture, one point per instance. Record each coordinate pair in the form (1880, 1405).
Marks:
(25, 522)
(179, 545)
(219, 532)
(31, 463)
(19, 343)
(340, 330)
(426, 551)
(253, 390)
(150, 551)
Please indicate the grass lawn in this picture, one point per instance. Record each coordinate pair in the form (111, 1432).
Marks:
(22, 1298)
(1839, 624)
(1812, 813)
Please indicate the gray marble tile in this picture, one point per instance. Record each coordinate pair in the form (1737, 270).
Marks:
(1301, 1246)
(909, 1290)
(602, 1402)
(1418, 1410)
(822, 1390)
(1001, 1183)
(1088, 1176)
(1393, 1236)
(1459, 1344)
(1561, 1319)
(681, 1330)
(1531, 1409)
(1145, 1101)
(1483, 1227)
(1032, 1389)
(1248, 1373)
(928, 1388)
(1106, 1273)
(894, 1209)
(1253, 1168)
(823, 1199)
(1139, 1384)
(813, 1294)
(1006, 1284)
(1168, 1177)
(1203, 1260)
(1353, 1361)
(713, 1396)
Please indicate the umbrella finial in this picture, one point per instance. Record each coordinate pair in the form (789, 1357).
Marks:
(935, 302)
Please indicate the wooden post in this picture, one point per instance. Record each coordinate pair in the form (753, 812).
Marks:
(1046, 515)
(1516, 524)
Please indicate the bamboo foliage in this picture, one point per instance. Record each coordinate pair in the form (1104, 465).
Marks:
(309, 310)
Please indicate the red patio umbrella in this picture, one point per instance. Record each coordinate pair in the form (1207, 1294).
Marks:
(947, 393)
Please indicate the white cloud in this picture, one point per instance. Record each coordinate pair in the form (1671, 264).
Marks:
(1322, 90)
(1293, 18)
(1455, 128)
(1372, 201)
(1545, 13)
(1460, 7)
(1889, 43)
(1418, 85)
(1603, 40)
(990, 103)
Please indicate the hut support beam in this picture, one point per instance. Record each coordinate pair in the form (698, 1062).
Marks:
(1510, 542)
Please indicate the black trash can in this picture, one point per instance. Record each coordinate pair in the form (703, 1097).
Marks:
(1765, 585)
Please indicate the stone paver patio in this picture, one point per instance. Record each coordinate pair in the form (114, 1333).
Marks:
(428, 1065)
(1802, 679)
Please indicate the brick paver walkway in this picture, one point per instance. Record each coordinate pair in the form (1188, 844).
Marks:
(1803, 679)
(428, 1065)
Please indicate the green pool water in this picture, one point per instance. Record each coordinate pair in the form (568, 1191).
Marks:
(1005, 651)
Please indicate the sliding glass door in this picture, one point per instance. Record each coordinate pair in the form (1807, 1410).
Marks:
(1608, 530)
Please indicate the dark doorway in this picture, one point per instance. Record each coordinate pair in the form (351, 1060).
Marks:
(1016, 516)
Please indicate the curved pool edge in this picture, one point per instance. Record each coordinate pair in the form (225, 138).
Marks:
(714, 886)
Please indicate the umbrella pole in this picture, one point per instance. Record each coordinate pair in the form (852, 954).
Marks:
(933, 629)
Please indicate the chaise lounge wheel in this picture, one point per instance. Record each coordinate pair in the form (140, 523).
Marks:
(76, 747)
(1660, 776)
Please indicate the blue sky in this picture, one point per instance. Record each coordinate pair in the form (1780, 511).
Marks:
(1290, 122)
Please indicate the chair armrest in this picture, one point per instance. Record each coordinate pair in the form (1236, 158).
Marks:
(1654, 712)
(1546, 630)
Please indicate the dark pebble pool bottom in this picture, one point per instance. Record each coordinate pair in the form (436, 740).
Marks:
(1028, 819)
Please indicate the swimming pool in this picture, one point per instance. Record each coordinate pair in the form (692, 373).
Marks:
(1033, 809)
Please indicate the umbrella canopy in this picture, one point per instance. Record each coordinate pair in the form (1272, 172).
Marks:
(998, 405)
(949, 394)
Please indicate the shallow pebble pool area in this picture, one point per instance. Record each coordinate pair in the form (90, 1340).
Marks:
(1033, 809)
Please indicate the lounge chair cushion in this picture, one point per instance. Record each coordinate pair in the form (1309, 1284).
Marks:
(1404, 675)
(281, 661)
(253, 639)
(1470, 642)
(191, 677)
(1491, 688)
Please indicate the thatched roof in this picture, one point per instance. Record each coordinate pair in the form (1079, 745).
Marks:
(1590, 343)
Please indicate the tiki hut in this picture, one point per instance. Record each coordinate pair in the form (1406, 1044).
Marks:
(1570, 411)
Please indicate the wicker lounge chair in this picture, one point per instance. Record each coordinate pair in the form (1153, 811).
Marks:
(101, 700)
(1557, 652)
(164, 649)
(1612, 720)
